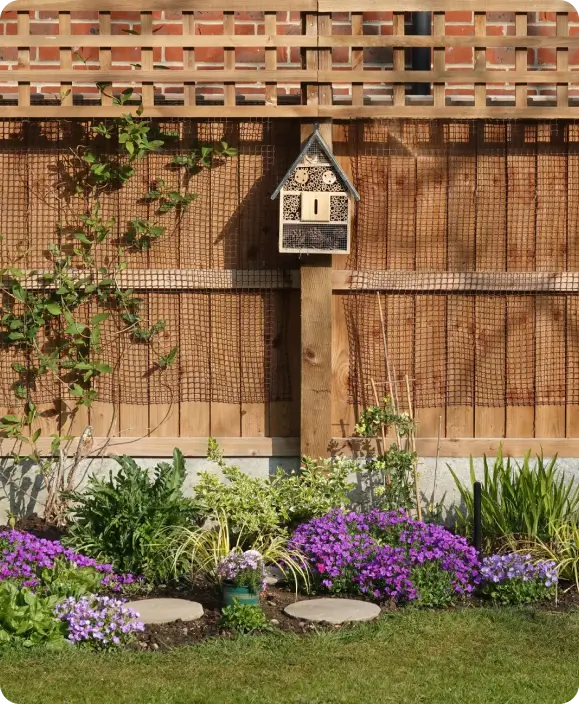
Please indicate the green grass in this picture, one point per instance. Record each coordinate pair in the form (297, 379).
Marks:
(480, 656)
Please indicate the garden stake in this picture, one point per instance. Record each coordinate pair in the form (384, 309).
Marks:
(393, 391)
(412, 440)
(382, 427)
(477, 533)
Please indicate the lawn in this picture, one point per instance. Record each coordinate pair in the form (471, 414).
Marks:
(480, 656)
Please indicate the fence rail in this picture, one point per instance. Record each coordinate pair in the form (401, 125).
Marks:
(310, 58)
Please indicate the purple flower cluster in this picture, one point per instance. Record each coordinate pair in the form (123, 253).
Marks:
(377, 553)
(100, 621)
(500, 568)
(243, 569)
(23, 556)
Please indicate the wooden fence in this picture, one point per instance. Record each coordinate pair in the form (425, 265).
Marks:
(439, 221)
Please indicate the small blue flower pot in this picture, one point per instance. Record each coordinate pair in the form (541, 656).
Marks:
(242, 594)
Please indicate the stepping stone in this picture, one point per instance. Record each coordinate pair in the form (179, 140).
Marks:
(166, 610)
(333, 611)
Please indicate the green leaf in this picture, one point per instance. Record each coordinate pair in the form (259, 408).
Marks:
(99, 318)
(75, 328)
(53, 308)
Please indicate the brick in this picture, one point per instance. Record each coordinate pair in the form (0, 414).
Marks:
(43, 28)
(125, 54)
(201, 16)
(173, 54)
(459, 16)
(460, 30)
(249, 55)
(459, 55)
(9, 53)
(84, 28)
(245, 29)
(341, 55)
(501, 57)
(83, 16)
(211, 55)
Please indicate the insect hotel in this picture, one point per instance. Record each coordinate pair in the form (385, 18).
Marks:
(315, 206)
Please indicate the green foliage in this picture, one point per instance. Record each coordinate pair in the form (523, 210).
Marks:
(27, 618)
(397, 470)
(563, 549)
(244, 618)
(375, 418)
(274, 506)
(203, 548)
(433, 584)
(141, 234)
(518, 500)
(517, 592)
(128, 519)
(167, 200)
(65, 579)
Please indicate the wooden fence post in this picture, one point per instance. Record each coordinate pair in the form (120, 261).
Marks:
(316, 286)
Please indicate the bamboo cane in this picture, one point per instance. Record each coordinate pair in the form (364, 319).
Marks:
(413, 449)
(393, 389)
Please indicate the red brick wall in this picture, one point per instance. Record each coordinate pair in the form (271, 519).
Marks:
(252, 23)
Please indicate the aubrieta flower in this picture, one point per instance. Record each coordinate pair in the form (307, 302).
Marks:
(500, 568)
(375, 553)
(23, 556)
(101, 622)
(243, 569)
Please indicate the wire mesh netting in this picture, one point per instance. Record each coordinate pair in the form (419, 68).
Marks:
(475, 223)
(215, 276)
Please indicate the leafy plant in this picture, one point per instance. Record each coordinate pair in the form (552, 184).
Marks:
(141, 234)
(387, 555)
(514, 579)
(518, 500)
(562, 549)
(258, 507)
(244, 569)
(374, 418)
(396, 468)
(128, 518)
(243, 618)
(99, 622)
(27, 618)
(204, 549)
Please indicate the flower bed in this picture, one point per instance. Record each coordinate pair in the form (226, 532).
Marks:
(25, 558)
(388, 555)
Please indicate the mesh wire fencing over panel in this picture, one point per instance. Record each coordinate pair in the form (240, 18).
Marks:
(475, 226)
(215, 276)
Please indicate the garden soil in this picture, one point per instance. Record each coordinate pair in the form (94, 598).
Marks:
(180, 633)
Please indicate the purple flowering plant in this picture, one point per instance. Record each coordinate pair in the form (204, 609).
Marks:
(99, 622)
(515, 579)
(243, 569)
(387, 555)
(47, 566)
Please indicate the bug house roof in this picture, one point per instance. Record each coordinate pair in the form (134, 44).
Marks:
(315, 146)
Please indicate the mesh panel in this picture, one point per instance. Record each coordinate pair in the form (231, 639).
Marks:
(331, 238)
(463, 217)
(232, 330)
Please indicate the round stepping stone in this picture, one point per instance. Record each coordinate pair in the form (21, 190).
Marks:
(166, 610)
(333, 611)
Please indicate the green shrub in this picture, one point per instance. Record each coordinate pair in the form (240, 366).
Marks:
(518, 501)
(27, 618)
(260, 507)
(203, 549)
(128, 519)
(244, 618)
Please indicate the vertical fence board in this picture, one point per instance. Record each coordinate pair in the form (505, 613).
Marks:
(461, 257)
(490, 256)
(551, 256)
(521, 185)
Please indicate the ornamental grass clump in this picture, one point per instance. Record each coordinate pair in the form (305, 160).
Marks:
(99, 622)
(387, 555)
(244, 569)
(47, 565)
(516, 579)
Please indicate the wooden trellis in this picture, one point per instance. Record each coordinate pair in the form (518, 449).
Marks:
(349, 89)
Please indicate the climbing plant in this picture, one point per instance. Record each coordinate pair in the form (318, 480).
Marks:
(44, 312)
